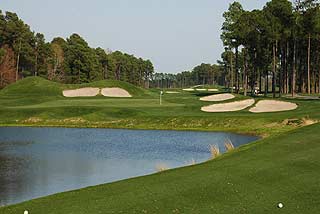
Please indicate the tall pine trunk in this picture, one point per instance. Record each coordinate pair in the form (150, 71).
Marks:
(18, 61)
(319, 82)
(274, 71)
(266, 84)
(245, 79)
(287, 67)
(237, 71)
(254, 75)
(231, 70)
(281, 71)
(309, 50)
(260, 80)
(293, 84)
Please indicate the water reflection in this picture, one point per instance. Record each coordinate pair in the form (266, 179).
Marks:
(36, 162)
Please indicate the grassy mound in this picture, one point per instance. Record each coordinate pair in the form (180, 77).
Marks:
(32, 86)
(39, 87)
(252, 179)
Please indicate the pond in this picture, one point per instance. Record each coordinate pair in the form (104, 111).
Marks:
(36, 162)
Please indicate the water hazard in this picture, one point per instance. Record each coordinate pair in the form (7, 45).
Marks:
(36, 162)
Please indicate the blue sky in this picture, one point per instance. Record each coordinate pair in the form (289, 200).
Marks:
(175, 34)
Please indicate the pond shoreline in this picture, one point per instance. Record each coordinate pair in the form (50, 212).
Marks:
(235, 131)
(50, 160)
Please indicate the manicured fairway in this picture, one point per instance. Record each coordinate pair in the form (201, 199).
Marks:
(282, 167)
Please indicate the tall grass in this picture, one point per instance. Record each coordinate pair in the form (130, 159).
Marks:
(214, 150)
(229, 145)
(161, 167)
(192, 162)
(306, 121)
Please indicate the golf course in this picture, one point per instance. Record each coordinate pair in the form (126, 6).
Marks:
(280, 167)
(159, 107)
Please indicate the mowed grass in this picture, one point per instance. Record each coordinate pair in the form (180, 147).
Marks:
(39, 102)
(282, 167)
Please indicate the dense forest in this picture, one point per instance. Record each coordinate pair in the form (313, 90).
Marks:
(280, 42)
(204, 74)
(25, 53)
(276, 49)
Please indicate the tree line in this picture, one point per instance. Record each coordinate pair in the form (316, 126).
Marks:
(275, 49)
(203, 74)
(25, 53)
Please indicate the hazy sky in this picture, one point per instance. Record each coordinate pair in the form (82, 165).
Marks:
(175, 34)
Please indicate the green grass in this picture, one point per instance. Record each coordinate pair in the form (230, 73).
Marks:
(38, 102)
(282, 167)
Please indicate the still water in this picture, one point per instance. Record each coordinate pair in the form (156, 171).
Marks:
(36, 162)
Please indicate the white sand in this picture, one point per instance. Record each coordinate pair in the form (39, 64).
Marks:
(228, 107)
(172, 92)
(188, 89)
(201, 89)
(213, 89)
(115, 92)
(82, 92)
(218, 97)
(273, 106)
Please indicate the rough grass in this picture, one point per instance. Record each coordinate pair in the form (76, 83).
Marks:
(214, 151)
(229, 145)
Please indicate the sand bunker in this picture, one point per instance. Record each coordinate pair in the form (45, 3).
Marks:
(188, 89)
(213, 89)
(81, 92)
(115, 92)
(172, 92)
(201, 89)
(218, 97)
(273, 106)
(228, 107)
